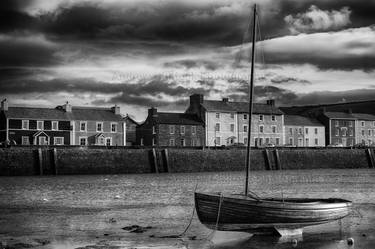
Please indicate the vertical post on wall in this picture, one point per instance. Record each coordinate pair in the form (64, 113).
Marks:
(40, 161)
(277, 160)
(54, 156)
(166, 160)
(155, 160)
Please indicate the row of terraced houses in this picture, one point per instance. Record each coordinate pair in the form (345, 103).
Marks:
(204, 123)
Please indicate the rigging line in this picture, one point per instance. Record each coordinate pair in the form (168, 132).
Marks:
(246, 34)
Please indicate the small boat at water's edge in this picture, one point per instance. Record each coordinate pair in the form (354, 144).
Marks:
(240, 213)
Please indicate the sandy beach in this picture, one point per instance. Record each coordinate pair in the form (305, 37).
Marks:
(149, 210)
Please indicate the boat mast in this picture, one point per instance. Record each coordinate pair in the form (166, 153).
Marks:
(251, 90)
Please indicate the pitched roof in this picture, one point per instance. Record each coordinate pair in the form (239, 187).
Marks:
(222, 106)
(339, 115)
(300, 121)
(364, 116)
(177, 118)
(78, 113)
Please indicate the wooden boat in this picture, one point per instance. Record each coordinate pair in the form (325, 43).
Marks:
(250, 213)
(244, 213)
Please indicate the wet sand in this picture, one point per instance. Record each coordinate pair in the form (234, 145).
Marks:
(91, 211)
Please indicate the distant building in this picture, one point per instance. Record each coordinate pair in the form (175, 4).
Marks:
(365, 129)
(131, 126)
(340, 128)
(170, 129)
(226, 122)
(63, 125)
(302, 131)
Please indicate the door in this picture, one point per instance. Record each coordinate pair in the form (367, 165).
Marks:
(43, 140)
(344, 142)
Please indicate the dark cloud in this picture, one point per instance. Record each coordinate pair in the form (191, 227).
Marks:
(154, 89)
(189, 63)
(283, 79)
(26, 50)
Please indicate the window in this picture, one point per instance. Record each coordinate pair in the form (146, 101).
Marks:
(99, 126)
(363, 123)
(273, 118)
(217, 141)
(260, 141)
(260, 117)
(245, 128)
(232, 127)
(369, 132)
(171, 142)
(336, 123)
(55, 125)
(363, 132)
(350, 132)
(350, 124)
(232, 115)
(153, 141)
(108, 141)
(43, 140)
(306, 142)
(291, 131)
(25, 124)
(82, 141)
(39, 125)
(316, 131)
(261, 128)
(142, 141)
(277, 141)
(306, 130)
(182, 142)
(58, 141)
(245, 140)
(182, 129)
(267, 140)
(344, 131)
(193, 130)
(25, 140)
(82, 126)
(113, 127)
(373, 132)
(101, 140)
(273, 129)
(337, 132)
(373, 123)
(194, 142)
(217, 115)
(291, 141)
(171, 129)
(245, 116)
(369, 142)
(300, 131)
(316, 141)
(217, 127)
(153, 130)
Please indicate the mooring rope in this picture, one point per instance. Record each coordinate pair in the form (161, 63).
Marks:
(218, 211)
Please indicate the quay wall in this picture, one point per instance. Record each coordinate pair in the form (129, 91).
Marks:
(19, 160)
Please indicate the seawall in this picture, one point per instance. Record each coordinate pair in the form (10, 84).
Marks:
(122, 160)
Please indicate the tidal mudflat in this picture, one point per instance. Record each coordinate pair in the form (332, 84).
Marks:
(149, 210)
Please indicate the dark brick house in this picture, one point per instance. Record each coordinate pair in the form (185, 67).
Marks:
(34, 126)
(63, 125)
(170, 129)
(340, 128)
(131, 126)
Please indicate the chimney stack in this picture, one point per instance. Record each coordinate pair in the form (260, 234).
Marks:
(153, 112)
(225, 100)
(271, 102)
(196, 99)
(116, 109)
(4, 105)
(67, 107)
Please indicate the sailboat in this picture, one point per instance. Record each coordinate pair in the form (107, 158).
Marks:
(250, 213)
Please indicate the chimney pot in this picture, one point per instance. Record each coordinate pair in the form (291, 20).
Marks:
(225, 100)
(116, 109)
(67, 107)
(4, 105)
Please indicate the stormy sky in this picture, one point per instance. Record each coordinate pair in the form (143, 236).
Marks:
(144, 53)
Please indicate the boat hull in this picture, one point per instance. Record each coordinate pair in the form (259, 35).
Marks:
(241, 213)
